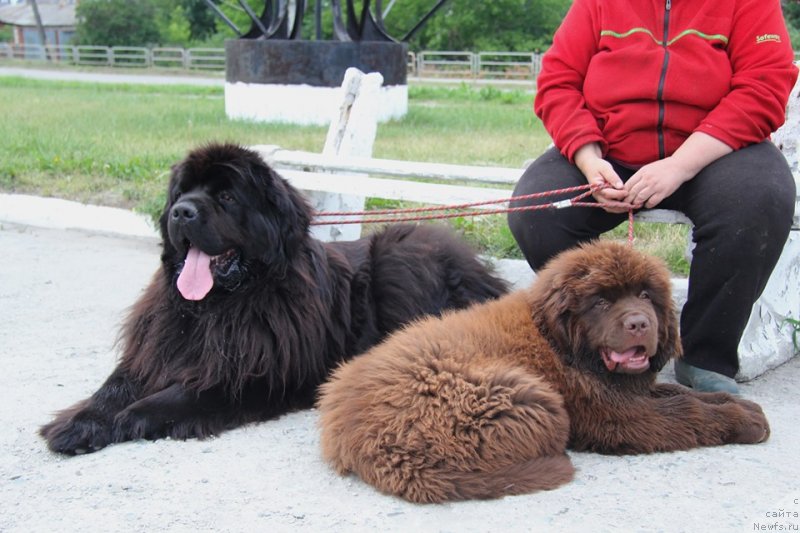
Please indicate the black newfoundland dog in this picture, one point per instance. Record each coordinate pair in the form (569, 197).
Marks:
(248, 313)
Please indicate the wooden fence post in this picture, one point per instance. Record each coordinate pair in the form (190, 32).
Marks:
(351, 133)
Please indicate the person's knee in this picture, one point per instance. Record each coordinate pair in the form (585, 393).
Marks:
(747, 194)
(528, 232)
(764, 183)
(770, 207)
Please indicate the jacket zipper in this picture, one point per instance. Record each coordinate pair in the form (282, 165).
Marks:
(662, 152)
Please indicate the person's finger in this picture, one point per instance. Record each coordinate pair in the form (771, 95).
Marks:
(612, 178)
(610, 203)
(638, 194)
(653, 201)
(613, 208)
(613, 194)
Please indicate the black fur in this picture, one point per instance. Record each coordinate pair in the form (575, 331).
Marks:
(283, 311)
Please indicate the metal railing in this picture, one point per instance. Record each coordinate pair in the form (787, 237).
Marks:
(435, 64)
(480, 65)
(118, 56)
(445, 64)
(470, 65)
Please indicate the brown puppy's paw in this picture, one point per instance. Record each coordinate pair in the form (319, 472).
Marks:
(752, 426)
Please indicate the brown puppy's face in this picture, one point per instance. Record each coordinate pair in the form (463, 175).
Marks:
(607, 309)
(623, 331)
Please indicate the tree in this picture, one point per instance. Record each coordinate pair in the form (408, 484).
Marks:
(791, 12)
(507, 25)
(513, 25)
(202, 21)
(116, 23)
(6, 34)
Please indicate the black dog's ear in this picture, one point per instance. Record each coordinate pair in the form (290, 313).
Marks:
(176, 170)
(290, 203)
(286, 214)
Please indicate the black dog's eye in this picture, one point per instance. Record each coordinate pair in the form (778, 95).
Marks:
(644, 295)
(225, 197)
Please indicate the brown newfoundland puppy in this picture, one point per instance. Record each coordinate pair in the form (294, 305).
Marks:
(248, 313)
(483, 402)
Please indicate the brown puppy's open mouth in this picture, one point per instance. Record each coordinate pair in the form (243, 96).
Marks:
(197, 275)
(631, 361)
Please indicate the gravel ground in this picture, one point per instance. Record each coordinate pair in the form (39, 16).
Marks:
(62, 296)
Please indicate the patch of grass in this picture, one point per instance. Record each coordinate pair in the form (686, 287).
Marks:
(138, 88)
(113, 144)
(467, 93)
(488, 234)
(795, 330)
(667, 241)
(491, 236)
(459, 126)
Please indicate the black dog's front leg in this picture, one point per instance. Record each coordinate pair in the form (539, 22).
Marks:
(179, 413)
(87, 426)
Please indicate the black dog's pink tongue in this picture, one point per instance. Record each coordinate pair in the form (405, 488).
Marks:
(195, 280)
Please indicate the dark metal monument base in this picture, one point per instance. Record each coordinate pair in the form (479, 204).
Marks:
(295, 81)
(315, 63)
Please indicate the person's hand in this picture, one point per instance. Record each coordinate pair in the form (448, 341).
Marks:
(655, 181)
(599, 173)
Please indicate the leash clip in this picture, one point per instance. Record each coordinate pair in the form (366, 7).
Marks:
(562, 204)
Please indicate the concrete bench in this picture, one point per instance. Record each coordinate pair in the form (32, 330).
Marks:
(344, 174)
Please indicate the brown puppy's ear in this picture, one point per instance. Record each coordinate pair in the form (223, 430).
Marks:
(550, 306)
(669, 338)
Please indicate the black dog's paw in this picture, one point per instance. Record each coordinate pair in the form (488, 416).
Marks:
(191, 429)
(81, 433)
(131, 424)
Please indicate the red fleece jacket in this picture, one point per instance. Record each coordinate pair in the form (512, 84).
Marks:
(639, 76)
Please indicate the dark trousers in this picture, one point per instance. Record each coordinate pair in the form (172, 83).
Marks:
(741, 207)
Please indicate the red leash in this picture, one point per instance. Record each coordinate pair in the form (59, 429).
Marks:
(462, 210)
(457, 206)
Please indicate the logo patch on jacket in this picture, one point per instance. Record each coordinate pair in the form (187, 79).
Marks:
(768, 37)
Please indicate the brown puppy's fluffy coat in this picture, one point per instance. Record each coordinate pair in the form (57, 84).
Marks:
(483, 403)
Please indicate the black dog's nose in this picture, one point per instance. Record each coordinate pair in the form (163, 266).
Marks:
(636, 323)
(183, 212)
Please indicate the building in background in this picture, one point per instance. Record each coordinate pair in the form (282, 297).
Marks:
(58, 19)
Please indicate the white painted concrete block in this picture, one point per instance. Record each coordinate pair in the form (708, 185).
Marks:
(302, 104)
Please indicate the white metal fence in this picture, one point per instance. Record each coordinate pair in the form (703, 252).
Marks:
(118, 56)
(490, 65)
(470, 65)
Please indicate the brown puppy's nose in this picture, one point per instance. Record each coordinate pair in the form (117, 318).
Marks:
(636, 323)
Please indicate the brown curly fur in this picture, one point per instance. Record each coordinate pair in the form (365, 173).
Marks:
(483, 402)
